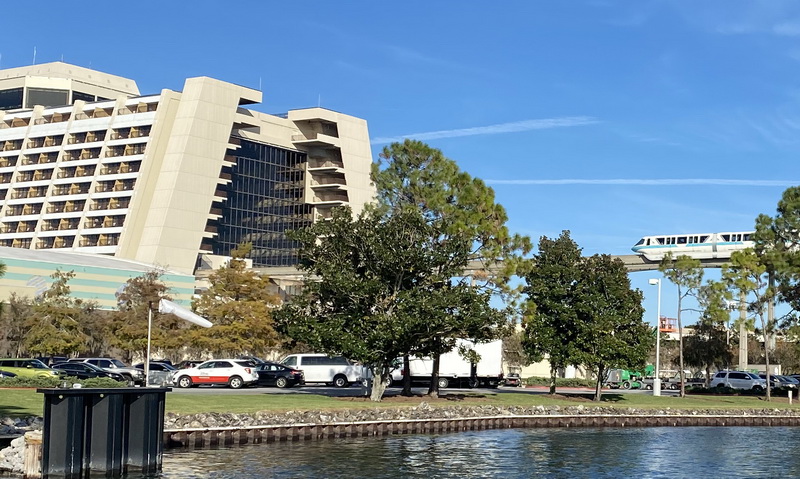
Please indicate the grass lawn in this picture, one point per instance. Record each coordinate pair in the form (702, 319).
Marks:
(27, 402)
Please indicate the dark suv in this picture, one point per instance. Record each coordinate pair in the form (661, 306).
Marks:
(114, 366)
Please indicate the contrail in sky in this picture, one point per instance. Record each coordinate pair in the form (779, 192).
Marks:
(649, 182)
(525, 125)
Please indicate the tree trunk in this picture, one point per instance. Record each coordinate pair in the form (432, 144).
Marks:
(406, 377)
(680, 349)
(598, 391)
(553, 370)
(378, 387)
(433, 389)
(766, 360)
(708, 376)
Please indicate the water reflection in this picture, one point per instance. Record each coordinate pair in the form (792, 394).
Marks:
(513, 453)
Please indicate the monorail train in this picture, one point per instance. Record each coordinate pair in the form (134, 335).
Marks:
(698, 246)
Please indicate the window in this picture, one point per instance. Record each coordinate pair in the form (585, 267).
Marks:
(207, 365)
(223, 364)
(11, 99)
(46, 97)
(290, 361)
(726, 237)
(76, 95)
(682, 240)
(738, 376)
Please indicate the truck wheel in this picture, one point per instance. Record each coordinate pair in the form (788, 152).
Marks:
(473, 383)
(648, 387)
(626, 385)
(443, 383)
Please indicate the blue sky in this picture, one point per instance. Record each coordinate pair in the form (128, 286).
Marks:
(613, 120)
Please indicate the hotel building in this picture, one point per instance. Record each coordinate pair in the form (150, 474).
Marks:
(175, 179)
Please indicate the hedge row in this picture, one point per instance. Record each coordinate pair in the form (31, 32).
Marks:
(54, 382)
(560, 382)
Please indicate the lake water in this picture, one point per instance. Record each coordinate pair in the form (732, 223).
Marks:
(511, 453)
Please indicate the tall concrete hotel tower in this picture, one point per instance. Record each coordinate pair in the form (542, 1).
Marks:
(176, 178)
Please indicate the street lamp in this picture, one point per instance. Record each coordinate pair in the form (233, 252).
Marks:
(657, 378)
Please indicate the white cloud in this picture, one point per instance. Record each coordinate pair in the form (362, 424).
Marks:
(525, 125)
(649, 182)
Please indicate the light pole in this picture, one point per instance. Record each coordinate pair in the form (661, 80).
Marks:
(657, 378)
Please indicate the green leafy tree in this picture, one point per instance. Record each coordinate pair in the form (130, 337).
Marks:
(611, 333)
(381, 288)
(129, 323)
(14, 323)
(777, 245)
(686, 273)
(747, 274)
(56, 325)
(708, 347)
(412, 175)
(240, 304)
(550, 322)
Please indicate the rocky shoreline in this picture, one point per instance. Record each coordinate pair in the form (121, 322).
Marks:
(11, 457)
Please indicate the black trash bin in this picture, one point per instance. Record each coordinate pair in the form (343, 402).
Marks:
(108, 431)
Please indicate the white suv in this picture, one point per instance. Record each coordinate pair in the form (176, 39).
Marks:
(738, 380)
(234, 373)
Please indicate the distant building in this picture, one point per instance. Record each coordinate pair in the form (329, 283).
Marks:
(175, 179)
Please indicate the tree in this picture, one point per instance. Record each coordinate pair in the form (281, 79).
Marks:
(747, 274)
(777, 245)
(56, 324)
(380, 288)
(611, 333)
(15, 314)
(239, 303)
(412, 175)
(687, 275)
(550, 322)
(708, 347)
(129, 324)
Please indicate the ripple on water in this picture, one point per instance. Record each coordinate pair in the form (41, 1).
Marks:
(510, 453)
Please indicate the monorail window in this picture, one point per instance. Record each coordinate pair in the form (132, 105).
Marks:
(660, 240)
(726, 237)
(641, 242)
(736, 237)
(704, 239)
(681, 239)
(747, 236)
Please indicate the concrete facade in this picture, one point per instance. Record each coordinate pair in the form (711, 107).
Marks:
(151, 179)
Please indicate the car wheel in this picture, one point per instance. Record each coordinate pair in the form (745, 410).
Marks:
(443, 383)
(340, 381)
(184, 382)
(758, 389)
(281, 382)
(389, 381)
(235, 382)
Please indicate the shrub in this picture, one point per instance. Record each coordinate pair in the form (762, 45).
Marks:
(560, 382)
(54, 382)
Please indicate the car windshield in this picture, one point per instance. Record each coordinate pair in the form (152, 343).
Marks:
(117, 363)
(36, 364)
(753, 376)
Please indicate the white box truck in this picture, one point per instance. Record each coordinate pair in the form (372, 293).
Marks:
(455, 371)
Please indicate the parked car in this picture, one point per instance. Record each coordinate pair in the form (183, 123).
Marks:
(780, 381)
(161, 373)
(114, 366)
(738, 380)
(49, 361)
(86, 371)
(6, 374)
(189, 363)
(321, 368)
(792, 382)
(234, 373)
(513, 379)
(274, 374)
(27, 368)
